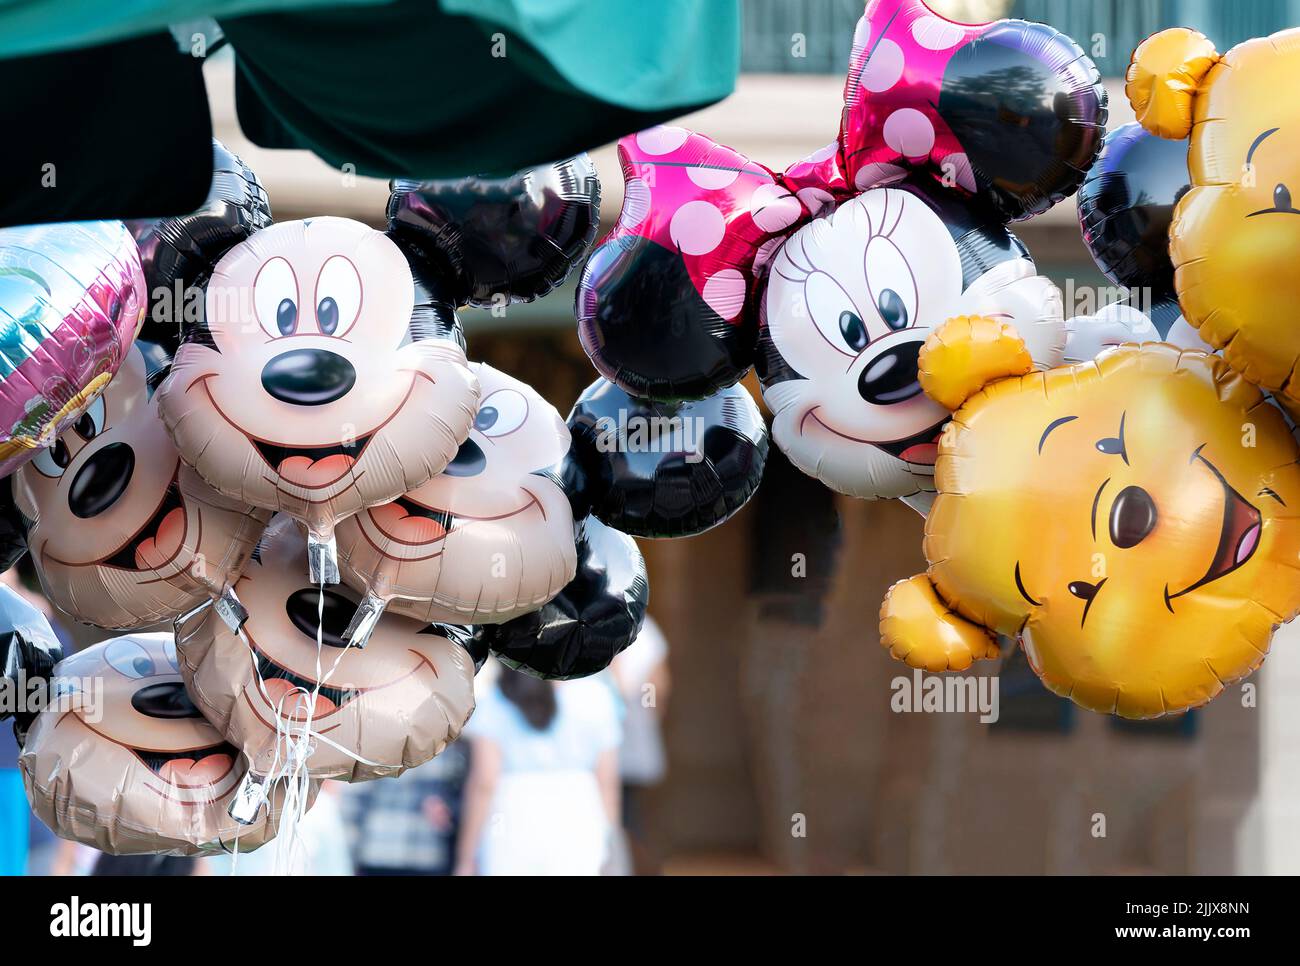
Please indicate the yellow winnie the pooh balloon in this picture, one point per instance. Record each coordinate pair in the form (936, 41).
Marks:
(1233, 240)
(1134, 519)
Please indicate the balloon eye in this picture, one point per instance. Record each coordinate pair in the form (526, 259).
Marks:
(1282, 198)
(286, 317)
(854, 332)
(91, 423)
(892, 310)
(54, 460)
(85, 426)
(486, 418)
(327, 315)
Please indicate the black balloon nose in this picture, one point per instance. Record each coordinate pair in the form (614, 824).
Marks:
(891, 376)
(469, 460)
(1132, 517)
(165, 700)
(102, 480)
(303, 608)
(308, 377)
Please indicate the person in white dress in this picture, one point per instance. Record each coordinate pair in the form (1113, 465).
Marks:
(542, 796)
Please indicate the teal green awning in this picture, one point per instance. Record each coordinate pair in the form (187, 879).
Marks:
(393, 88)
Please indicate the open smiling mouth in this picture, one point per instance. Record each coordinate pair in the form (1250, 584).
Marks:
(921, 449)
(276, 454)
(141, 551)
(1238, 538)
(279, 681)
(195, 768)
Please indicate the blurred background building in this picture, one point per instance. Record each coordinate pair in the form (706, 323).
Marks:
(783, 752)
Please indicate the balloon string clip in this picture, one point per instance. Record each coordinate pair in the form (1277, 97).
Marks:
(248, 800)
(322, 559)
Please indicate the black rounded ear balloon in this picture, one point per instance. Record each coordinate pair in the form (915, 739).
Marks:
(29, 650)
(1126, 205)
(595, 616)
(179, 253)
(518, 236)
(663, 469)
(1029, 108)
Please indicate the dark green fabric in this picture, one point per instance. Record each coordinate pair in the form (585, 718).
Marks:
(123, 127)
(405, 90)
(44, 26)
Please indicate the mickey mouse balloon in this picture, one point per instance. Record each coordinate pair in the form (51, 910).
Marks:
(371, 713)
(309, 388)
(123, 761)
(489, 538)
(123, 534)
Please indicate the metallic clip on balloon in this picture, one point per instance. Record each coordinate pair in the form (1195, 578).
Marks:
(326, 373)
(949, 133)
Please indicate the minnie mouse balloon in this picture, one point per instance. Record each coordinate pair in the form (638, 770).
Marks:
(72, 297)
(489, 538)
(123, 534)
(580, 630)
(371, 713)
(663, 470)
(848, 304)
(122, 760)
(315, 385)
(514, 238)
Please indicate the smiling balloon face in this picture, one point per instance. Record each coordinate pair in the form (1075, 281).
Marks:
(377, 711)
(489, 538)
(126, 763)
(1136, 520)
(123, 534)
(309, 390)
(850, 300)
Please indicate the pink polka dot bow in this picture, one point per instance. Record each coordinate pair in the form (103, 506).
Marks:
(1009, 114)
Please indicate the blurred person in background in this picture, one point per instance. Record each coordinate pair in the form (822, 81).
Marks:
(542, 797)
(641, 674)
(407, 825)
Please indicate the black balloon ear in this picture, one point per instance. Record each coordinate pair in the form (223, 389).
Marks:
(434, 315)
(29, 650)
(178, 254)
(595, 616)
(1126, 205)
(662, 469)
(1029, 110)
(13, 527)
(494, 239)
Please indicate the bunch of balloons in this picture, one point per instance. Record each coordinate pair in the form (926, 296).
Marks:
(828, 277)
(341, 515)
